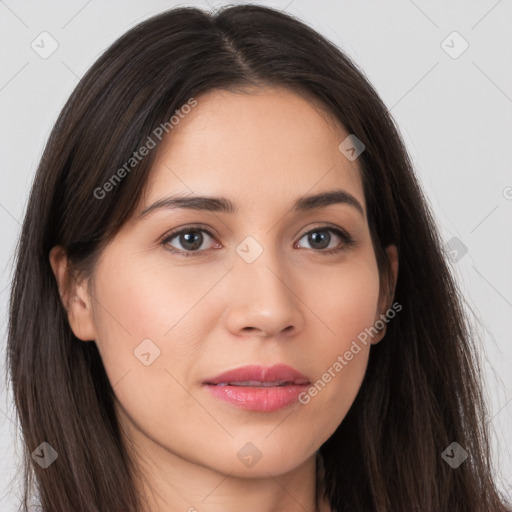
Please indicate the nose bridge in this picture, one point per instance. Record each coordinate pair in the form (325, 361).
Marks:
(260, 262)
(265, 299)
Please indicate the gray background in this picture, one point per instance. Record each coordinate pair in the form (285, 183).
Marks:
(454, 113)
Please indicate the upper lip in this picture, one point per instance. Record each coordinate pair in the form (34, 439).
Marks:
(279, 374)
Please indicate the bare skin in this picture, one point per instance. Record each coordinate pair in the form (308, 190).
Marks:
(214, 311)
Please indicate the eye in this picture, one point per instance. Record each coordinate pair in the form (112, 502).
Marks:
(321, 237)
(191, 239)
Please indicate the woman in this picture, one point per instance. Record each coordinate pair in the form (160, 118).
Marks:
(230, 292)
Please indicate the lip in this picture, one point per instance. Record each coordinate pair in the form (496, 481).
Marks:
(258, 388)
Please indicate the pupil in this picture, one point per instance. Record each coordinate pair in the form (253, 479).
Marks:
(314, 239)
(187, 238)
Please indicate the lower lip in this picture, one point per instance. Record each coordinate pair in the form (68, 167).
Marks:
(263, 399)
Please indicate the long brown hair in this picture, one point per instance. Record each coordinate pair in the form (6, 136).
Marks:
(422, 388)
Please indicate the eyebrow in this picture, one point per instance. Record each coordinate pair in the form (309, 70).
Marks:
(224, 205)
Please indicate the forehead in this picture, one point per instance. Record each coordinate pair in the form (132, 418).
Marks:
(259, 146)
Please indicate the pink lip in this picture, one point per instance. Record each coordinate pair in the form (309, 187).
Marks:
(255, 395)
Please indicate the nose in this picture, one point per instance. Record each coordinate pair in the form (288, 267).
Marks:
(264, 298)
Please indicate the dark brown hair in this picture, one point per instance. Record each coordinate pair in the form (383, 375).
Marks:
(422, 388)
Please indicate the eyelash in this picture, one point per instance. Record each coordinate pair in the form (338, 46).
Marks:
(348, 241)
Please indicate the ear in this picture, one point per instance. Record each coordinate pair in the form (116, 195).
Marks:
(74, 295)
(387, 292)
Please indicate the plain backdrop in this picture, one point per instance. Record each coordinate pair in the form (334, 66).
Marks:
(442, 68)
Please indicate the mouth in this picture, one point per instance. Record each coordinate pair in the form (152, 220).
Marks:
(258, 388)
(258, 384)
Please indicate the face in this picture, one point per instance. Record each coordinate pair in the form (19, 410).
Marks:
(182, 295)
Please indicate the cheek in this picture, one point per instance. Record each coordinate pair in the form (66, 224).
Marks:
(178, 307)
(147, 341)
(130, 317)
(345, 301)
(139, 300)
(148, 332)
(347, 307)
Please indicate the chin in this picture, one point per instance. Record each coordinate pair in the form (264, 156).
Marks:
(256, 459)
